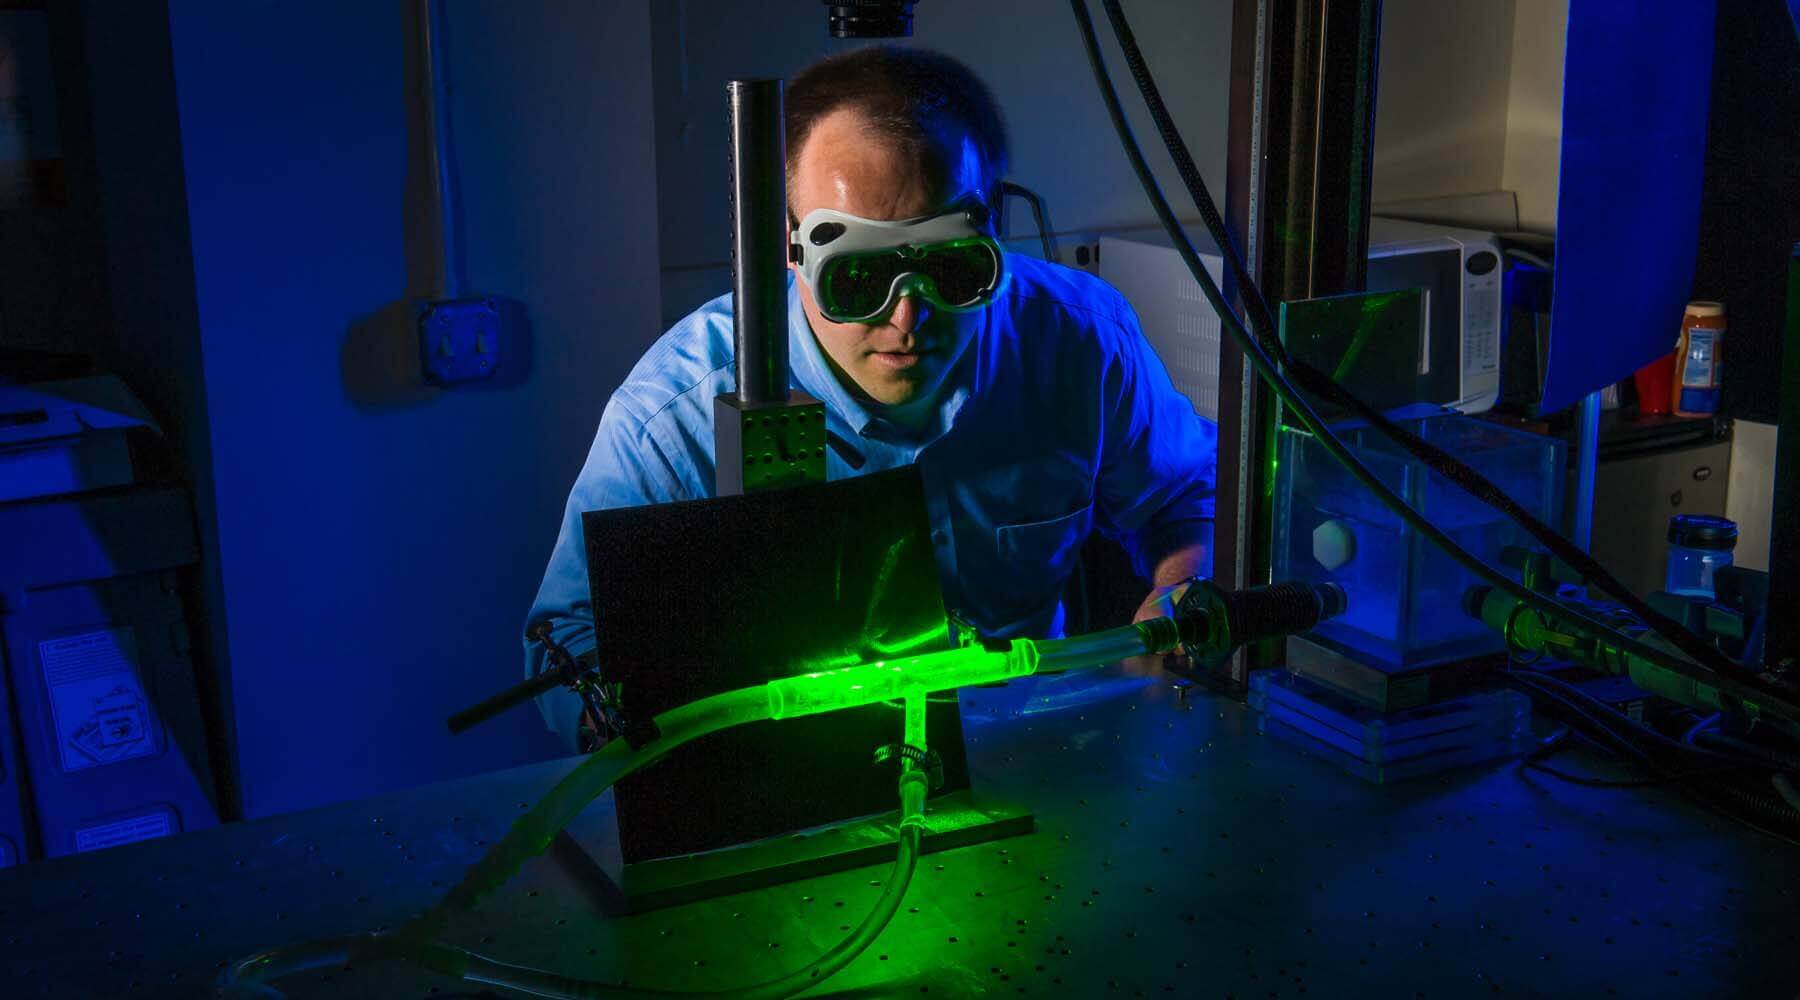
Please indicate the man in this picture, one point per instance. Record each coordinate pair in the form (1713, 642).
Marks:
(1035, 411)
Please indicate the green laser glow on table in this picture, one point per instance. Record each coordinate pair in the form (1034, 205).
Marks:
(1208, 622)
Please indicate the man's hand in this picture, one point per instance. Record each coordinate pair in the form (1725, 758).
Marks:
(1171, 582)
(1161, 602)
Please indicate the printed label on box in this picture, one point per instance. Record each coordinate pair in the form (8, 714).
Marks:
(97, 701)
(129, 830)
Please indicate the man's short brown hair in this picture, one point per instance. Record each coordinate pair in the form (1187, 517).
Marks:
(904, 95)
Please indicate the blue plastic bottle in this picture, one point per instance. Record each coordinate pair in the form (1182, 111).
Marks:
(1699, 545)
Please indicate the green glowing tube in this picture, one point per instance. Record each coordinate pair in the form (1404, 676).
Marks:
(888, 680)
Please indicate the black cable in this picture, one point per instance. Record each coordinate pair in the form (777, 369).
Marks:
(1785, 787)
(1768, 807)
(1774, 758)
(1040, 214)
(1324, 386)
(1559, 741)
(1721, 795)
(1699, 727)
(1616, 725)
(1620, 722)
(1707, 794)
(1596, 722)
(1586, 782)
(1550, 745)
(1267, 370)
(1530, 258)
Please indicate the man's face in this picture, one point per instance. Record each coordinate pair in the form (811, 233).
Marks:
(900, 357)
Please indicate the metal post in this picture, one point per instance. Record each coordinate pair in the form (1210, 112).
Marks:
(763, 435)
(1297, 197)
(759, 238)
(1587, 459)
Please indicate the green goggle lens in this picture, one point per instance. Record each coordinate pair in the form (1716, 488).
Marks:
(858, 285)
(958, 275)
(963, 272)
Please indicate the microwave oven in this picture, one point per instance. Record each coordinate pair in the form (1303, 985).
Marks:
(1459, 271)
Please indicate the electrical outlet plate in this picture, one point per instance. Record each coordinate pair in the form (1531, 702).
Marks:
(461, 340)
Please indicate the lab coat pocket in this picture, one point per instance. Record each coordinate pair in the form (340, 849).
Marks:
(1040, 553)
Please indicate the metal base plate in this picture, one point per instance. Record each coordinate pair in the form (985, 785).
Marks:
(1388, 689)
(958, 819)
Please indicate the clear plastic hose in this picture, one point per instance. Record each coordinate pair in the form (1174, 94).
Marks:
(534, 831)
(546, 984)
(911, 679)
(529, 835)
(913, 786)
(1094, 648)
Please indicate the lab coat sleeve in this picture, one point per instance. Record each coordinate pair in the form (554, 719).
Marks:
(1158, 464)
(624, 468)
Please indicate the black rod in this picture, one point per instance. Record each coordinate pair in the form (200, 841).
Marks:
(1783, 633)
(759, 239)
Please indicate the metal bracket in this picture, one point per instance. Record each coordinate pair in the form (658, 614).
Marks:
(762, 446)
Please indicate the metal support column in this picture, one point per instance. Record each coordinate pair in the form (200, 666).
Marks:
(1300, 154)
(764, 435)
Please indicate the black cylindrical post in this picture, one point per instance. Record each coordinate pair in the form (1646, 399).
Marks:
(759, 239)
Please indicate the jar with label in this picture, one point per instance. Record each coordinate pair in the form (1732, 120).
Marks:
(1699, 360)
(1699, 546)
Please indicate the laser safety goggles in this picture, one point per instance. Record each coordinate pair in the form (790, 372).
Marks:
(859, 268)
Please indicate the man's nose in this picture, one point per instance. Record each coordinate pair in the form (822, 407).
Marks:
(909, 313)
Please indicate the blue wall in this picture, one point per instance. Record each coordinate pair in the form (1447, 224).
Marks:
(379, 543)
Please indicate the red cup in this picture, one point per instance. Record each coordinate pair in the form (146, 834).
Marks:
(1655, 384)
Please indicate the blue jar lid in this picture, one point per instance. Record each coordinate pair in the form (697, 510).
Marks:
(1703, 531)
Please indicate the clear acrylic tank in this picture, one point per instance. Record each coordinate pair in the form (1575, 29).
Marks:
(1405, 594)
